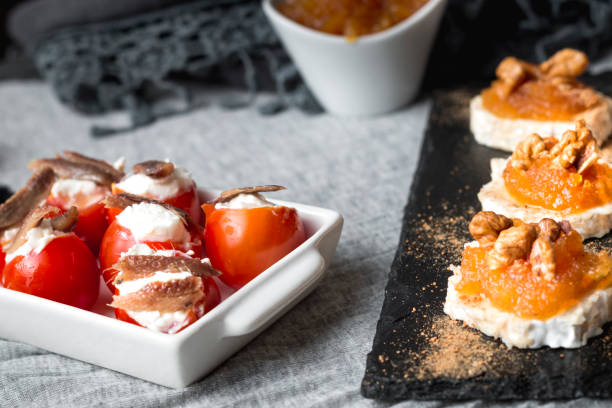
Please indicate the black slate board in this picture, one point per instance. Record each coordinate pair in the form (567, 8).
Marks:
(418, 352)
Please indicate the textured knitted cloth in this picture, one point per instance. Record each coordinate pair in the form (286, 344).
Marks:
(101, 56)
(130, 63)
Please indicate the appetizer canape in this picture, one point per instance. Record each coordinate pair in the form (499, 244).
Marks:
(162, 181)
(42, 256)
(82, 182)
(544, 99)
(558, 179)
(531, 285)
(146, 221)
(163, 290)
(245, 233)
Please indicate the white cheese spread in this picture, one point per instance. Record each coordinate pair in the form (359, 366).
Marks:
(83, 192)
(159, 276)
(36, 240)
(245, 201)
(152, 222)
(160, 322)
(8, 235)
(144, 249)
(170, 186)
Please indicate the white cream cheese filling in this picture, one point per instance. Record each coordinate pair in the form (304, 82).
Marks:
(159, 276)
(152, 222)
(8, 235)
(84, 192)
(242, 201)
(170, 186)
(144, 249)
(36, 240)
(160, 322)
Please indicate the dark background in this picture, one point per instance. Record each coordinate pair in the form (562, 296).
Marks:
(474, 34)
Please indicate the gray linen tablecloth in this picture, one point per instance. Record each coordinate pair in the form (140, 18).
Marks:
(315, 354)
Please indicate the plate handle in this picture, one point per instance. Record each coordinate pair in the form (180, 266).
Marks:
(270, 296)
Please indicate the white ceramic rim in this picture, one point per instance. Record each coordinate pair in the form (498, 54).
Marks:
(421, 13)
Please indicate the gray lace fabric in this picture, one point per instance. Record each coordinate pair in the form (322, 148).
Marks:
(126, 64)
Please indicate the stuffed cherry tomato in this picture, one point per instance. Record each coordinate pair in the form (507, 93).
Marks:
(52, 263)
(150, 223)
(19, 206)
(162, 181)
(212, 297)
(82, 182)
(245, 234)
(92, 221)
(163, 291)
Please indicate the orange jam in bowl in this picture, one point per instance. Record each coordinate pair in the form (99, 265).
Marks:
(535, 100)
(555, 188)
(517, 289)
(349, 18)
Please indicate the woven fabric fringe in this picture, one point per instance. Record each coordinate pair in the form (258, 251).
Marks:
(120, 65)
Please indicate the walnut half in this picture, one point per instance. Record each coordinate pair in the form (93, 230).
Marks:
(549, 229)
(576, 148)
(514, 240)
(512, 244)
(511, 73)
(542, 258)
(566, 62)
(486, 226)
(529, 149)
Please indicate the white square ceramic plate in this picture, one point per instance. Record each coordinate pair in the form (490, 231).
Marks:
(177, 360)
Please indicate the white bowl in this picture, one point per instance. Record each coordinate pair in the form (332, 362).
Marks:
(176, 360)
(375, 74)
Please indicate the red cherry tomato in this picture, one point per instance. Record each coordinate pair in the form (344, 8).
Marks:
(242, 243)
(2, 263)
(64, 271)
(189, 202)
(118, 239)
(111, 214)
(212, 297)
(211, 293)
(186, 200)
(91, 224)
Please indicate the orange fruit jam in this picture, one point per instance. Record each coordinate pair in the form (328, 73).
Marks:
(348, 17)
(518, 290)
(535, 100)
(555, 188)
